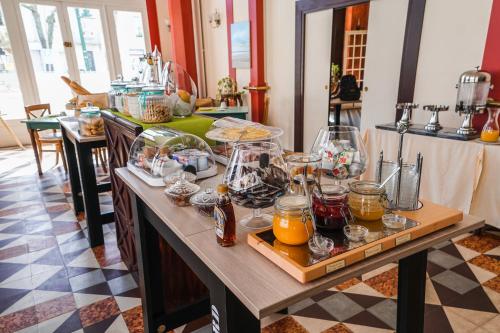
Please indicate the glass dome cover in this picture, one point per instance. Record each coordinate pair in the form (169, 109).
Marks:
(158, 152)
(180, 88)
(342, 150)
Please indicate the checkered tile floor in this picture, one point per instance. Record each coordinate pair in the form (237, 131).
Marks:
(51, 281)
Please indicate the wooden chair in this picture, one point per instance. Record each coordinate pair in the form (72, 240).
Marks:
(46, 137)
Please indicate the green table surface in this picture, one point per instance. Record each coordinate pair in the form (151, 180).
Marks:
(197, 125)
(43, 123)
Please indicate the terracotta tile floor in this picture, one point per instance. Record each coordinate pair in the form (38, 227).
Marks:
(51, 281)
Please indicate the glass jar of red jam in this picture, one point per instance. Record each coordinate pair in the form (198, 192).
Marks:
(330, 208)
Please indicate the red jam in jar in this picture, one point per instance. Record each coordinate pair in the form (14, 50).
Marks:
(330, 208)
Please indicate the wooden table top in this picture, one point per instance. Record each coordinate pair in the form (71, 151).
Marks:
(70, 124)
(260, 285)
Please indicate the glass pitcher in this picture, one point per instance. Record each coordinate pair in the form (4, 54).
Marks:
(490, 132)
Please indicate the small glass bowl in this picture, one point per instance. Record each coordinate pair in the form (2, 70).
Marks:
(355, 232)
(204, 202)
(394, 221)
(181, 192)
(323, 248)
(171, 179)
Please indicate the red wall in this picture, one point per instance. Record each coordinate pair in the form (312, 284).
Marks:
(183, 49)
(491, 59)
(154, 32)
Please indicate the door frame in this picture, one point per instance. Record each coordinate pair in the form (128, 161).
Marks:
(408, 72)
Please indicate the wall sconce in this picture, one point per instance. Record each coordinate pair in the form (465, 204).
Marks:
(214, 19)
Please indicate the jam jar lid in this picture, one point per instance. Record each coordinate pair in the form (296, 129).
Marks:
(291, 203)
(331, 191)
(205, 198)
(182, 188)
(366, 187)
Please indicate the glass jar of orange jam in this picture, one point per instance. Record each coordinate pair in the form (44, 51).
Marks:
(292, 224)
(367, 200)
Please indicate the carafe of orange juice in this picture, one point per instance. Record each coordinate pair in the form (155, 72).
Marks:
(490, 130)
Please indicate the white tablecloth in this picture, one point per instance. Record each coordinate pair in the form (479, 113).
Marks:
(458, 174)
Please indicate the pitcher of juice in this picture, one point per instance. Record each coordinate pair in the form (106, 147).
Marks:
(490, 130)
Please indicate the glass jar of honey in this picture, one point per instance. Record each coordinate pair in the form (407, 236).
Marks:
(330, 208)
(367, 200)
(292, 223)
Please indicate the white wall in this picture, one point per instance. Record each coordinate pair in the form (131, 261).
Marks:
(452, 42)
(165, 34)
(280, 65)
(386, 28)
(215, 42)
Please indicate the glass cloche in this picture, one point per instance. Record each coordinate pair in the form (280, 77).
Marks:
(161, 152)
(180, 88)
(342, 151)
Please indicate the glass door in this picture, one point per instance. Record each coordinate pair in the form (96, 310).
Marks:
(11, 99)
(131, 40)
(42, 28)
(90, 48)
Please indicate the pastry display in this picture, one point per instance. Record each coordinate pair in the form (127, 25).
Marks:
(229, 129)
(158, 155)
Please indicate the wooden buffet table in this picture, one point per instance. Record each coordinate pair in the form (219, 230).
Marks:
(243, 285)
(82, 177)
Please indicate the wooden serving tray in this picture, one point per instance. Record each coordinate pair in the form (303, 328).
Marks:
(431, 217)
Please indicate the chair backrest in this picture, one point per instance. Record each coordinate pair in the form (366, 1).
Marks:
(37, 110)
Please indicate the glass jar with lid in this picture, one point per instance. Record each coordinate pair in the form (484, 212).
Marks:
(367, 200)
(90, 122)
(302, 166)
(330, 208)
(117, 89)
(131, 100)
(154, 105)
(292, 223)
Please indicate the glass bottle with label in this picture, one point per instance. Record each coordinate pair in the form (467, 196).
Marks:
(225, 223)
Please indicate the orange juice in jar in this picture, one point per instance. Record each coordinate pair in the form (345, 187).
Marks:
(292, 223)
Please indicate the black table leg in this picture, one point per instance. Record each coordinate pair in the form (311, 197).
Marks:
(338, 107)
(228, 314)
(148, 262)
(90, 193)
(411, 293)
(74, 178)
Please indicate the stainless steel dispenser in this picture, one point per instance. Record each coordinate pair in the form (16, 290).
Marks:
(473, 88)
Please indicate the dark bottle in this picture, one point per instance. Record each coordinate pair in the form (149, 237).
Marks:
(225, 224)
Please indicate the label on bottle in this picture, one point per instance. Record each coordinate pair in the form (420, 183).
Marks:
(220, 221)
(373, 250)
(335, 266)
(403, 239)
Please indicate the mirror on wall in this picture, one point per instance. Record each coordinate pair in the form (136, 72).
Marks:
(349, 60)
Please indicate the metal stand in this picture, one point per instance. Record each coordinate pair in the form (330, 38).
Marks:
(402, 127)
(433, 124)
